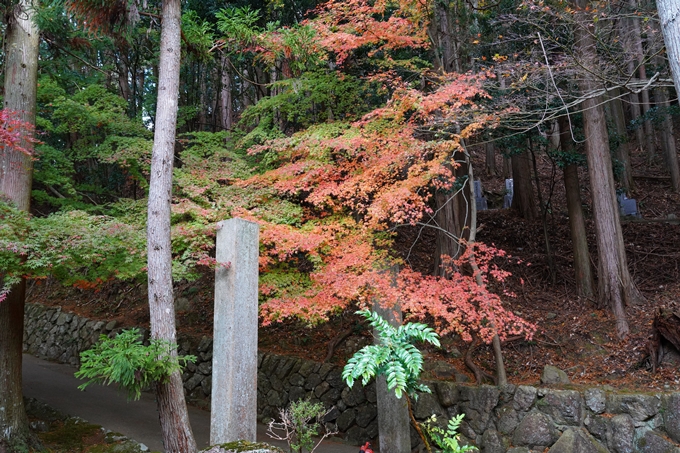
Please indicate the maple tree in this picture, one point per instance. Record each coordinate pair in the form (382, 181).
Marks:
(355, 182)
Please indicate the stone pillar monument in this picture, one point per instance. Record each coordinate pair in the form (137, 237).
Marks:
(393, 418)
(234, 372)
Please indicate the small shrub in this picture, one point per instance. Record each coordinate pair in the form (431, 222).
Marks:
(446, 441)
(300, 422)
(129, 363)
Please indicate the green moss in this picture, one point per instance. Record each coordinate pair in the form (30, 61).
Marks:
(70, 435)
(244, 445)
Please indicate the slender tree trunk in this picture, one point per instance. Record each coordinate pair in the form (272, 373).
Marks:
(501, 376)
(172, 410)
(633, 98)
(16, 173)
(490, 154)
(123, 79)
(453, 218)
(226, 111)
(616, 287)
(577, 225)
(523, 199)
(623, 150)
(203, 98)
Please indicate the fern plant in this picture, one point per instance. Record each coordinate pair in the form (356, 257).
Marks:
(395, 357)
(126, 361)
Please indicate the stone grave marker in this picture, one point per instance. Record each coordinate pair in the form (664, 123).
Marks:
(480, 200)
(509, 190)
(234, 373)
(627, 206)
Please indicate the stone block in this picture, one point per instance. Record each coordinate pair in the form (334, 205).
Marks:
(577, 441)
(651, 442)
(553, 375)
(640, 407)
(623, 431)
(354, 396)
(427, 405)
(331, 397)
(598, 426)
(596, 400)
(535, 430)
(564, 406)
(366, 414)
(346, 419)
(447, 393)
(525, 397)
(507, 419)
(493, 442)
(671, 414)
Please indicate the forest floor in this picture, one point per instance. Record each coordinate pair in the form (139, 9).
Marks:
(574, 334)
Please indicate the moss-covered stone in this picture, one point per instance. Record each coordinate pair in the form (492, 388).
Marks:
(241, 446)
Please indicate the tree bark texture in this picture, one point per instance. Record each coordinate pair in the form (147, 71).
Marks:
(577, 225)
(616, 286)
(667, 140)
(453, 218)
(490, 155)
(638, 51)
(623, 150)
(172, 410)
(443, 34)
(669, 16)
(16, 173)
(523, 199)
(226, 110)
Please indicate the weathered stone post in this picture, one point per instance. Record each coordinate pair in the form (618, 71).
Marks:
(234, 373)
(393, 418)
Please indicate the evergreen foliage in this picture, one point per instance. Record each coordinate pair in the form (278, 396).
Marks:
(125, 360)
(394, 357)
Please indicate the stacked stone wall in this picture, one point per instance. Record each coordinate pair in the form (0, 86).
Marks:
(511, 419)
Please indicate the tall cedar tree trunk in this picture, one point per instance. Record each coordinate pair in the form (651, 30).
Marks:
(523, 199)
(667, 140)
(453, 218)
(623, 150)
(442, 35)
(203, 98)
(226, 111)
(669, 16)
(172, 410)
(633, 98)
(642, 73)
(16, 173)
(616, 287)
(577, 225)
(123, 79)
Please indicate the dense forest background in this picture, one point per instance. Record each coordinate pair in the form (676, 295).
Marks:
(355, 132)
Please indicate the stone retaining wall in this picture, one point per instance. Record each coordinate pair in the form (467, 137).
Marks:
(512, 419)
